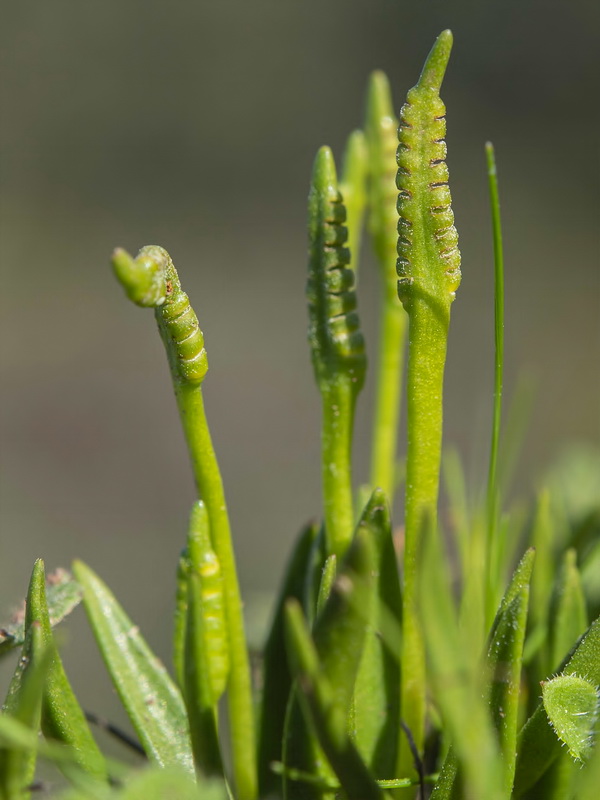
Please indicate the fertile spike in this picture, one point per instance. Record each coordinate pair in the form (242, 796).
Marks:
(336, 341)
(428, 256)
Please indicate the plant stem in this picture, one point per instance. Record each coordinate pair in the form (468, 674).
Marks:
(152, 280)
(388, 394)
(429, 274)
(210, 488)
(493, 498)
(381, 127)
(336, 451)
(428, 330)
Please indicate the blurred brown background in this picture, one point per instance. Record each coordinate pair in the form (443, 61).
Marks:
(193, 125)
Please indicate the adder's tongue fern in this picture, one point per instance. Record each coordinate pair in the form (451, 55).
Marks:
(429, 275)
(151, 280)
(337, 345)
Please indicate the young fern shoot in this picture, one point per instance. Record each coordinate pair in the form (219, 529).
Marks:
(151, 280)
(429, 275)
(337, 346)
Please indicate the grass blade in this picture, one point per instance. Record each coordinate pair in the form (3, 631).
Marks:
(493, 493)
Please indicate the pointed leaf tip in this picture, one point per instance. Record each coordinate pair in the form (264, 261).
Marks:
(379, 98)
(324, 172)
(437, 61)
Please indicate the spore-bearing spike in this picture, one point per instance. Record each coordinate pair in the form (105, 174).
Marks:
(427, 245)
(334, 332)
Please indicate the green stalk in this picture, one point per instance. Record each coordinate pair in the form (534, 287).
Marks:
(338, 404)
(493, 499)
(429, 274)
(152, 280)
(337, 346)
(381, 127)
(353, 187)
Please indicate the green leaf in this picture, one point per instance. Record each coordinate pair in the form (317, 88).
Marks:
(339, 635)
(24, 704)
(353, 187)
(277, 679)
(571, 704)
(377, 689)
(457, 682)
(63, 595)
(318, 697)
(381, 129)
(505, 655)
(568, 617)
(538, 746)
(151, 699)
(62, 717)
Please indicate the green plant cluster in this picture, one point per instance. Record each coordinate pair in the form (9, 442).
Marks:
(376, 681)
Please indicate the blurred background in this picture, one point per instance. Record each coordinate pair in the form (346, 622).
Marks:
(194, 125)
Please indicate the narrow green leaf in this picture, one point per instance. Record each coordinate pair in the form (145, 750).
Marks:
(505, 655)
(494, 498)
(63, 594)
(568, 617)
(538, 746)
(381, 129)
(542, 538)
(377, 689)
(24, 704)
(62, 717)
(457, 682)
(571, 704)
(277, 680)
(152, 701)
(353, 187)
(318, 697)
